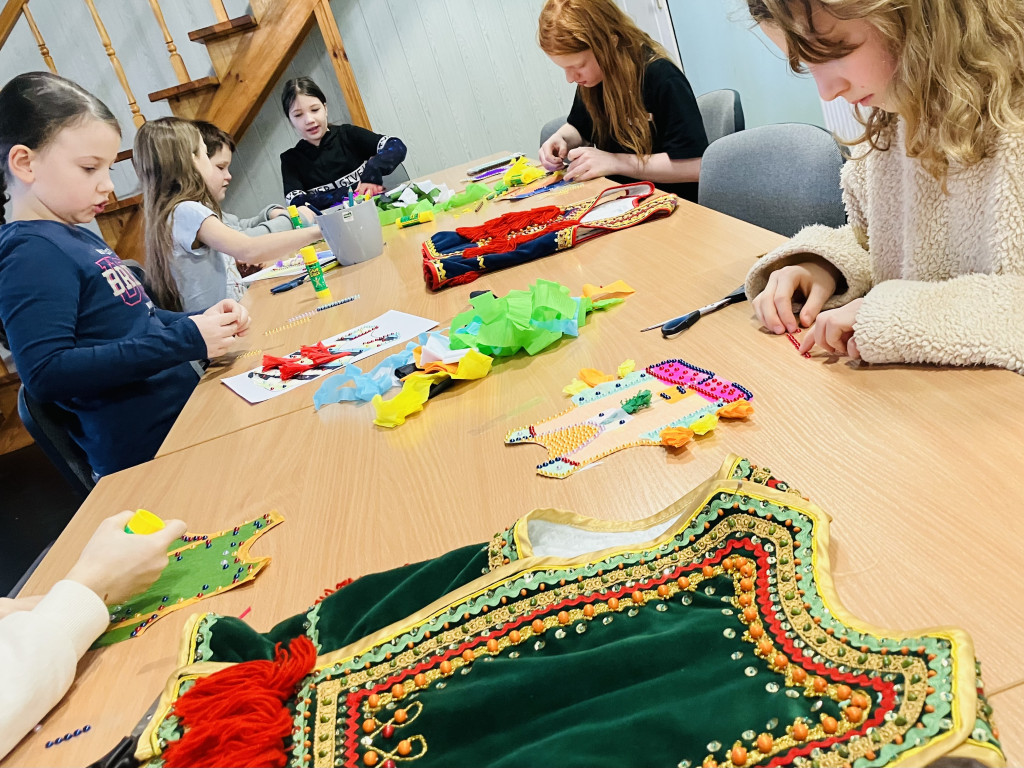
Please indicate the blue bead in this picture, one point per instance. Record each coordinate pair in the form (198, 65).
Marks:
(78, 731)
(68, 736)
(49, 744)
(86, 729)
(206, 587)
(58, 740)
(163, 599)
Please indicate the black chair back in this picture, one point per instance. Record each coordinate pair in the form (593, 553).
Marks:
(50, 426)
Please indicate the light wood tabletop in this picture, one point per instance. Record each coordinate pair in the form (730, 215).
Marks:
(913, 464)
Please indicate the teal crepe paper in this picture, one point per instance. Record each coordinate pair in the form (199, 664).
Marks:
(335, 388)
(530, 320)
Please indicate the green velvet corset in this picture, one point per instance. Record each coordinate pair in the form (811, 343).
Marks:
(709, 633)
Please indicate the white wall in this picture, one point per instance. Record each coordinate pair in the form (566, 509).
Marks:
(721, 48)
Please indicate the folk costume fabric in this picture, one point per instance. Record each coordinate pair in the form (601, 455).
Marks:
(461, 256)
(709, 633)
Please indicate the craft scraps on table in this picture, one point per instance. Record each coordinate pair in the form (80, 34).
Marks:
(289, 267)
(665, 405)
(530, 320)
(198, 566)
(280, 374)
(462, 255)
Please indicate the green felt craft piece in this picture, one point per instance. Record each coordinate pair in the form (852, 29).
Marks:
(640, 400)
(198, 566)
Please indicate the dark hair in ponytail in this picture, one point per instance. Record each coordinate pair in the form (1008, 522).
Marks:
(34, 107)
(299, 86)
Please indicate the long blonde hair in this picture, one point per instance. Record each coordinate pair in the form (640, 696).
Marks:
(623, 52)
(959, 79)
(163, 159)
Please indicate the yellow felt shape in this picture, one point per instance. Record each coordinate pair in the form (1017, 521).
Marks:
(574, 387)
(616, 290)
(704, 424)
(625, 368)
(415, 391)
(593, 377)
(737, 410)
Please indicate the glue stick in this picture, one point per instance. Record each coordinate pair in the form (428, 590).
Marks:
(316, 274)
(417, 218)
(143, 522)
(293, 214)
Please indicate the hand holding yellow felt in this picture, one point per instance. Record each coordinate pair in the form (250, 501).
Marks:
(144, 522)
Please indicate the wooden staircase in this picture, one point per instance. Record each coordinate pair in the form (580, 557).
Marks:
(249, 54)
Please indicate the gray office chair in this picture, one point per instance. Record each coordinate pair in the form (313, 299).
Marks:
(721, 112)
(779, 177)
(550, 127)
(50, 426)
(396, 177)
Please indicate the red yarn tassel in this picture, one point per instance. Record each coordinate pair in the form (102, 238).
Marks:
(504, 225)
(237, 717)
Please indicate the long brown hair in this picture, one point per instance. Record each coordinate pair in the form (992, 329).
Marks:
(163, 159)
(959, 78)
(622, 50)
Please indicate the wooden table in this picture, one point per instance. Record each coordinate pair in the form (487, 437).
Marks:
(914, 464)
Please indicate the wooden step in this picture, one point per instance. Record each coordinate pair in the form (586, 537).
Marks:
(223, 29)
(180, 90)
(125, 202)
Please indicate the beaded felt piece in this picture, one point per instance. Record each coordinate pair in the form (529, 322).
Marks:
(461, 256)
(707, 634)
(198, 565)
(665, 405)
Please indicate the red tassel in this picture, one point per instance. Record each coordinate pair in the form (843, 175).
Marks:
(237, 717)
(317, 355)
(328, 591)
(504, 225)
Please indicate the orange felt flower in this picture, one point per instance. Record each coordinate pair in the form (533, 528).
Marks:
(675, 437)
(737, 410)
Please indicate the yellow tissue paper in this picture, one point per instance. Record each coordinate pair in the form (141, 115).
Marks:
(626, 367)
(415, 390)
(574, 387)
(704, 424)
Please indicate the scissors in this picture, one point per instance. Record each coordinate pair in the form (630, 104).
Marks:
(681, 323)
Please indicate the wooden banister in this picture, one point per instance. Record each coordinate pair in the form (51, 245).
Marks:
(9, 16)
(176, 61)
(342, 66)
(43, 50)
(219, 10)
(137, 116)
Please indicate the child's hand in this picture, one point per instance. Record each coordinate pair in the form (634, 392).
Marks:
(373, 189)
(218, 330)
(553, 152)
(590, 163)
(833, 331)
(116, 565)
(230, 305)
(307, 215)
(815, 280)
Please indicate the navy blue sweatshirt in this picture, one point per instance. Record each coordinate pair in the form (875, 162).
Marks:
(85, 335)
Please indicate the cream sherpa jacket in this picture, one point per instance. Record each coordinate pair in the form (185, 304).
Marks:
(942, 275)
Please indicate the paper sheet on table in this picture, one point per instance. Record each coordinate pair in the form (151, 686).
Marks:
(292, 267)
(388, 330)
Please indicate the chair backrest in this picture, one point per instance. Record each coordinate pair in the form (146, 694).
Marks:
(780, 177)
(721, 112)
(550, 127)
(50, 426)
(396, 177)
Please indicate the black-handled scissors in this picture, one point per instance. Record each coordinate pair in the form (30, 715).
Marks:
(680, 324)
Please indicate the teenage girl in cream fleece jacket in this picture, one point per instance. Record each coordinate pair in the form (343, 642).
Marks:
(930, 268)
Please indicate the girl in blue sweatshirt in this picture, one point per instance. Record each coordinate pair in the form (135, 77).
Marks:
(82, 330)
